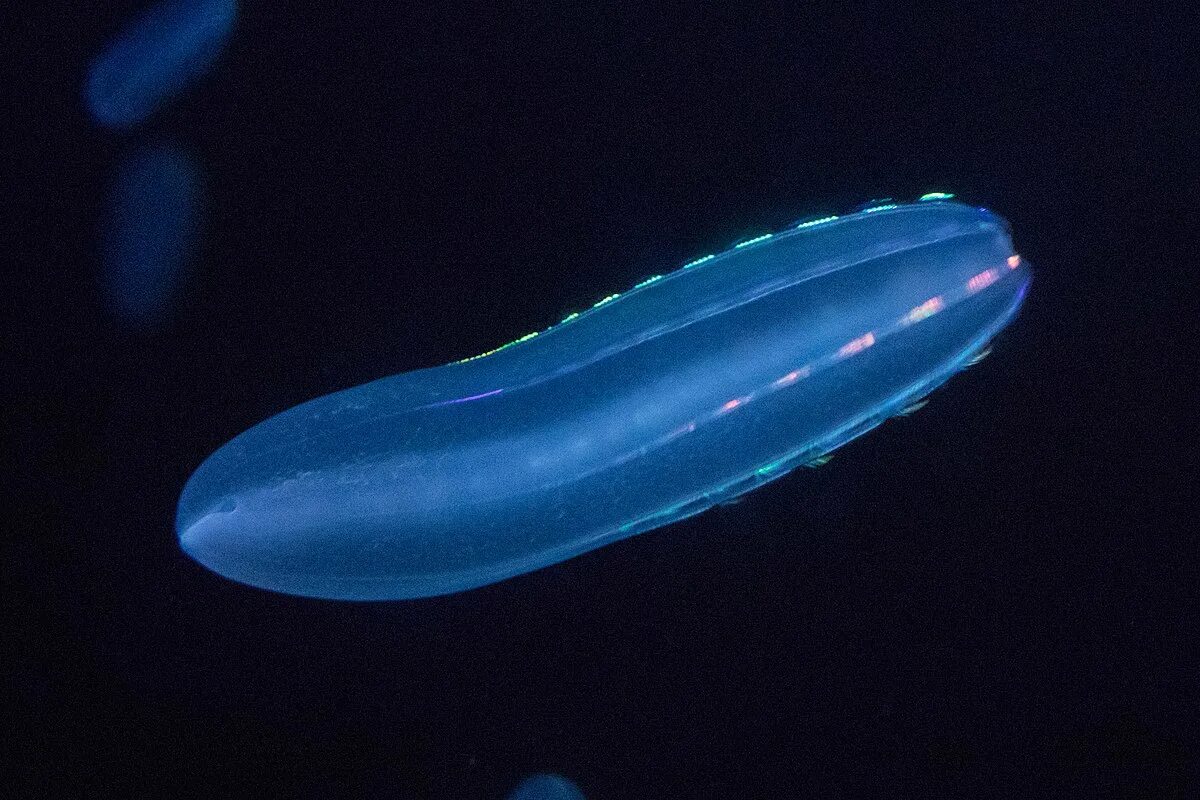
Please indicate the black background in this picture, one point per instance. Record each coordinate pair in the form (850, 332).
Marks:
(994, 597)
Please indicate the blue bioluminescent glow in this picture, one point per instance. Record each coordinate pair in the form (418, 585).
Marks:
(150, 230)
(159, 55)
(655, 404)
(546, 787)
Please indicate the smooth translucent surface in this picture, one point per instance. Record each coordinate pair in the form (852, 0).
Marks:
(653, 406)
(160, 54)
(150, 230)
(546, 787)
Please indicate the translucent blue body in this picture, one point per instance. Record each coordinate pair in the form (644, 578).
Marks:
(686, 392)
(159, 55)
(546, 787)
(150, 231)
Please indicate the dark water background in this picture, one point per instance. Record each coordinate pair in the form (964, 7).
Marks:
(995, 597)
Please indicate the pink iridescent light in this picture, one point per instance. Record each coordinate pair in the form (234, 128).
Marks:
(927, 309)
(982, 280)
(793, 376)
(857, 345)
